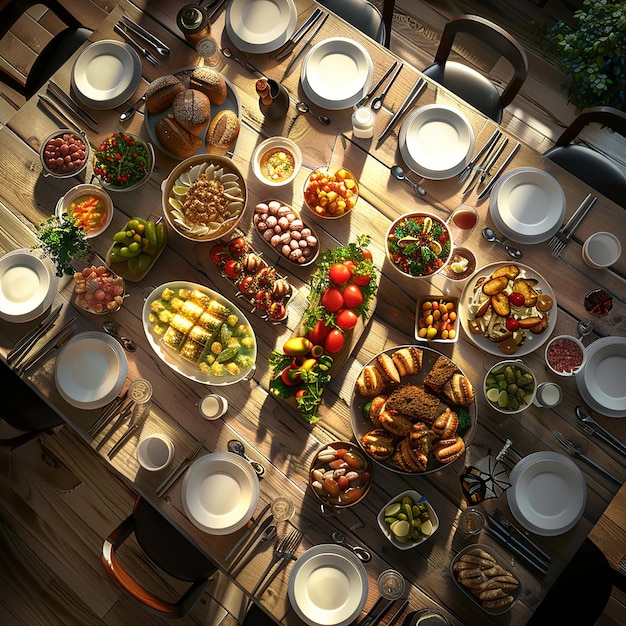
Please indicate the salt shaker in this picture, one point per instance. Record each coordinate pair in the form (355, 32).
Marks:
(363, 123)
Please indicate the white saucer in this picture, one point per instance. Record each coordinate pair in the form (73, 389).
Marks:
(106, 74)
(260, 26)
(28, 285)
(600, 380)
(328, 586)
(548, 493)
(90, 370)
(220, 492)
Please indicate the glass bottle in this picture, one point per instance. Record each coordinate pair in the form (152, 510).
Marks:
(194, 24)
(140, 392)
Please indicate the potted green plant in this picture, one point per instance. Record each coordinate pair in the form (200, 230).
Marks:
(63, 242)
(593, 54)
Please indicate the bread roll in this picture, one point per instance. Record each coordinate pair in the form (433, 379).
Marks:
(192, 110)
(161, 93)
(223, 132)
(210, 83)
(176, 139)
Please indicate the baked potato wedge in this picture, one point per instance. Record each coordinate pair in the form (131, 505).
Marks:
(500, 304)
(510, 271)
(525, 287)
(495, 285)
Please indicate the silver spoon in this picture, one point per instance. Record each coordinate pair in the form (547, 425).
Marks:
(398, 173)
(303, 107)
(584, 327)
(377, 102)
(131, 110)
(363, 554)
(111, 328)
(490, 236)
(236, 447)
(228, 53)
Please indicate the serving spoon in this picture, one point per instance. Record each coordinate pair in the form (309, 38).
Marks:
(111, 328)
(490, 236)
(131, 110)
(228, 53)
(398, 173)
(236, 447)
(340, 539)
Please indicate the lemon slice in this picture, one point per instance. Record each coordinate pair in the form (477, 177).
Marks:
(458, 267)
(426, 528)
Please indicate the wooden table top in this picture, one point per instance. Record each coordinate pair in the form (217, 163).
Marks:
(272, 432)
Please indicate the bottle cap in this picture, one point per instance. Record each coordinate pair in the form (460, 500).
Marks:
(191, 19)
(207, 47)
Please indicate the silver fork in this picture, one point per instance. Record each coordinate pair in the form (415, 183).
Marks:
(504, 520)
(279, 551)
(288, 554)
(146, 53)
(558, 242)
(577, 452)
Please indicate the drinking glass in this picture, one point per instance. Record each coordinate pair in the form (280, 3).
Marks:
(462, 222)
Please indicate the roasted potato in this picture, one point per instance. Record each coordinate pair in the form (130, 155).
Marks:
(495, 285)
(500, 304)
(510, 271)
(525, 287)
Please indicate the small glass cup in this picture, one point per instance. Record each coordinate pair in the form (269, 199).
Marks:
(140, 392)
(282, 508)
(391, 584)
(598, 303)
(548, 395)
(462, 222)
(471, 522)
(212, 406)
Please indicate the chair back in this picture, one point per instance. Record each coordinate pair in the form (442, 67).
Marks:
(362, 14)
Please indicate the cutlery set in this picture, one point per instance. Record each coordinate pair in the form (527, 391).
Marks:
(287, 48)
(284, 552)
(416, 91)
(573, 450)
(178, 471)
(129, 30)
(560, 240)
(305, 44)
(592, 428)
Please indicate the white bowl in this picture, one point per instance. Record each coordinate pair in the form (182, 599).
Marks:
(268, 149)
(85, 190)
(601, 250)
(24, 286)
(554, 351)
(155, 452)
(384, 527)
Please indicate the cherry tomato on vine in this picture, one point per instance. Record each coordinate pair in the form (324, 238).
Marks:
(318, 333)
(516, 298)
(232, 268)
(334, 341)
(218, 254)
(332, 300)
(237, 246)
(339, 273)
(346, 319)
(352, 296)
(367, 254)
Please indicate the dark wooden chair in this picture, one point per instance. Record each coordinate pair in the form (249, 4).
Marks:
(362, 15)
(23, 410)
(466, 82)
(166, 548)
(53, 55)
(586, 162)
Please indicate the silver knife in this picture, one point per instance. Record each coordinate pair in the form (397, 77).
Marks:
(497, 133)
(33, 336)
(264, 533)
(285, 50)
(583, 415)
(56, 110)
(57, 340)
(117, 424)
(474, 179)
(147, 36)
(126, 36)
(412, 96)
(494, 158)
(108, 414)
(248, 532)
(307, 41)
(129, 434)
(377, 86)
(60, 100)
(176, 473)
(70, 103)
(494, 178)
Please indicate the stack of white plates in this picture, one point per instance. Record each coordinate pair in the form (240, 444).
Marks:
(260, 26)
(28, 285)
(436, 141)
(328, 586)
(106, 74)
(548, 493)
(90, 370)
(336, 73)
(601, 379)
(220, 492)
(527, 205)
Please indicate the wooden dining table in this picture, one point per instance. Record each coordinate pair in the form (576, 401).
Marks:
(272, 431)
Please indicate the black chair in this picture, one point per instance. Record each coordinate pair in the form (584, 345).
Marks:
(53, 55)
(585, 162)
(166, 548)
(23, 410)
(362, 15)
(469, 84)
(257, 617)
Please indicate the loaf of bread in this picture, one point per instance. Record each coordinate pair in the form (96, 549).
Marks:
(223, 132)
(161, 93)
(176, 139)
(210, 83)
(192, 110)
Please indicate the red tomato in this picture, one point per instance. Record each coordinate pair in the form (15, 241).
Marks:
(318, 333)
(352, 296)
(343, 483)
(276, 310)
(332, 300)
(346, 319)
(334, 341)
(516, 298)
(290, 376)
(245, 284)
(367, 255)
(362, 280)
(512, 324)
(232, 268)
(218, 254)
(349, 263)
(237, 246)
(300, 393)
(339, 273)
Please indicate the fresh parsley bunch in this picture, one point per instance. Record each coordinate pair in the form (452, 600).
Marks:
(63, 242)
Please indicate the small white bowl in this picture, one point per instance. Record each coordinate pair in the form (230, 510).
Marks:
(155, 452)
(384, 527)
(85, 190)
(565, 348)
(601, 250)
(289, 153)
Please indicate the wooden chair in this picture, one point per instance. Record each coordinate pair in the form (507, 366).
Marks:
(469, 84)
(55, 52)
(587, 163)
(166, 548)
(23, 410)
(362, 15)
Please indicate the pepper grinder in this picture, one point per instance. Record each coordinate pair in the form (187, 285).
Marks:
(194, 24)
(273, 98)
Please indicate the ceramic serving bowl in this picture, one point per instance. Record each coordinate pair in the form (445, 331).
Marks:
(277, 161)
(565, 355)
(123, 162)
(510, 386)
(330, 192)
(90, 206)
(64, 153)
(212, 219)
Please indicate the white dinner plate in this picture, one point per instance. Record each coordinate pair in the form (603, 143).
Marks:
(336, 73)
(220, 492)
(90, 370)
(231, 103)
(532, 341)
(260, 26)
(548, 493)
(436, 141)
(601, 379)
(28, 285)
(106, 74)
(527, 205)
(328, 586)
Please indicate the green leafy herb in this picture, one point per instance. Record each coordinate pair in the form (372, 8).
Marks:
(465, 421)
(63, 242)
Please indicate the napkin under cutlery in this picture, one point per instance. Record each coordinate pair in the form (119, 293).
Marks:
(26, 343)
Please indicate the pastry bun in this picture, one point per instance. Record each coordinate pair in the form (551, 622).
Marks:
(223, 132)
(192, 110)
(161, 93)
(210, 83)
(176, 139)
(370, 382)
